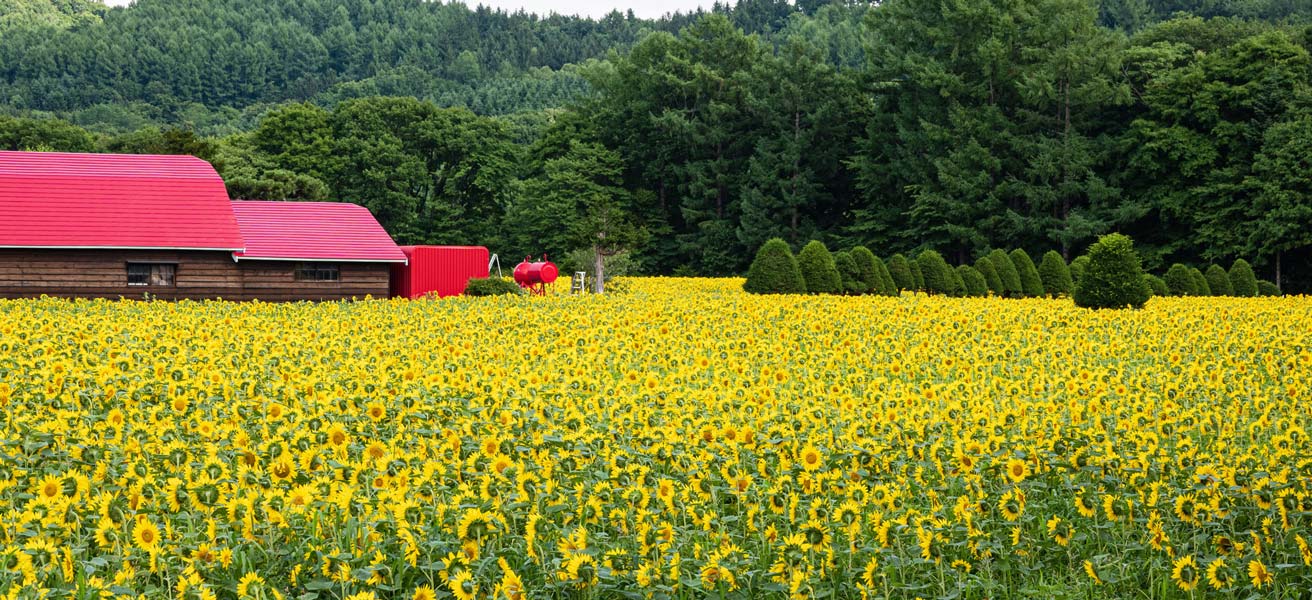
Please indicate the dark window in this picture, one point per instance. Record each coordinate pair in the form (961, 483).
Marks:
(317, 272)
(151, 275)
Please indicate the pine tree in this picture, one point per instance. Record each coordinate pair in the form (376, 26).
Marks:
(774, 271)
(917, 274)
(1056, 276)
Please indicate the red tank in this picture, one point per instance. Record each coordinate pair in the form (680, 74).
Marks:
(535, 276)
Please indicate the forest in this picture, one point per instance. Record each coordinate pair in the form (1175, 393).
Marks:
(680, 145)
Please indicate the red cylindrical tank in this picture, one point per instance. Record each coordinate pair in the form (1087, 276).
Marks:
(535, 275)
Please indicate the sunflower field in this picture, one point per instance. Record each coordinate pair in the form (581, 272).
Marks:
(679, 440)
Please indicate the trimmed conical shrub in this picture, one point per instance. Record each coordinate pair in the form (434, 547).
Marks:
(865, 263)
(1055, 275)
(1179, 282)
(1077, 269)
(938, 275)
(1200, 282)
(1030, 284)
(1157, 285)
(917, 274)
(1218, 281)
(849, 273)
(990, 274)
(1114, 277)
(818, 269)
(899, 268)
(973, 280)
(1242, 280)
(774, 271)
(1011, 285)
(1267, 288)
(886, 285)
(958, 284)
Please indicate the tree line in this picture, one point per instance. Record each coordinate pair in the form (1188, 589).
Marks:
(688, 142)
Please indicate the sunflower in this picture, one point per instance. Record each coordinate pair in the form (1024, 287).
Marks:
(1115, 507)
(511, 586)
(424, 592)
(244, 585)
(1085, 506)
(810, 458)
(337, 436)
(1017, 470)
(738, 483)
(145, 535)
(49, 488)
(462, 585)
(1093, 574)
(1258, 574)
(579, 568)
(283, 469)
(1185, 573)
(1218, 575)
(301, 496)
(376, 411)
(475, 523)
(1061, 531)
(1186, 509)
(1012, 505)
(815, 535)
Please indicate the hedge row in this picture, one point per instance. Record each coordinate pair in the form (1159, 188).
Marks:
(816, 270)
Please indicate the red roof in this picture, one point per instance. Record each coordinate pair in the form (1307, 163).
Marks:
(327, 231)
(59, 200)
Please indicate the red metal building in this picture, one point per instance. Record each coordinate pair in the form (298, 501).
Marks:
(440, 270)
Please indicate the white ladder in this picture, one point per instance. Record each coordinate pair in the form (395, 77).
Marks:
(580, 283)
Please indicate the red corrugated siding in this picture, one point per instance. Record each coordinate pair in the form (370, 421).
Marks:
(444, 270)
(53, 199)
(328, 231)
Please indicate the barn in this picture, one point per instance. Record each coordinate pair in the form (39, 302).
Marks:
(132, 226)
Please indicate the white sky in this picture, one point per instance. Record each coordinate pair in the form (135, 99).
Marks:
(591, 8)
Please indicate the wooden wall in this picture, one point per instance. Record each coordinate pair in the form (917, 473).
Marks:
(29, 273)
